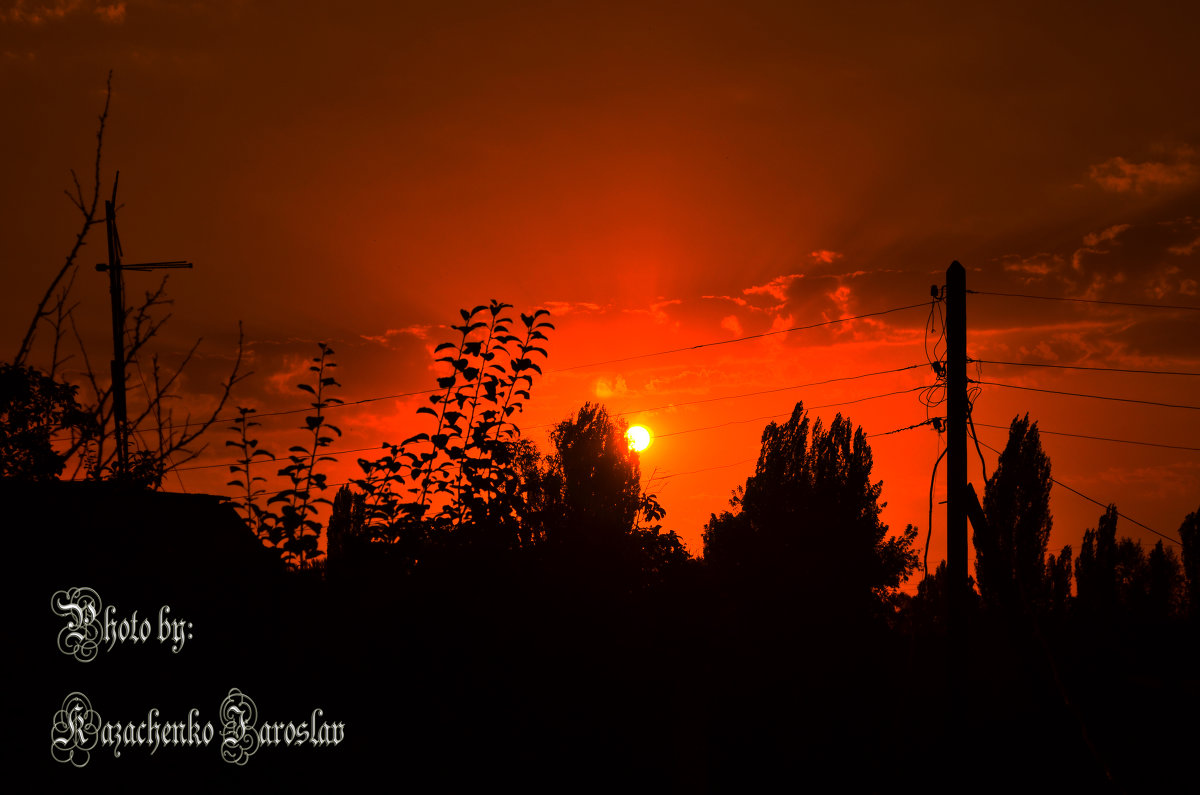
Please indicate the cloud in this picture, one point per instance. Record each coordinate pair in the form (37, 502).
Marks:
(292, 370)
(777, 288)
(111, 12)
(1122, 176)
(841, 298)
(1111, 233)
(1034, 268)
(1185, 249)
(38, 12)
(1092, 240)
(733, 298)
(657, 310)
(421, 332)
(731, 324)
(1169, 281)
(825, 256)
(782, 322)
(1158, 481)
(561, 308)
(606, 389)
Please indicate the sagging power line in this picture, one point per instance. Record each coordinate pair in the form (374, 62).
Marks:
(1085, 300)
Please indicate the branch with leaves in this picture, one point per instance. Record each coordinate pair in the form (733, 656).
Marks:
(296, 522)
(461, 473)
(248, 452)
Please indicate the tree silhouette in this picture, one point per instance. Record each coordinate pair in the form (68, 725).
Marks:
(1095, 570)
(33, 407)
(591, 503)
(1189, 534)
(153, 440)
(1117, 579)
(1165, 586)
(806, 525)
(598, 471)
(1058, 582)
(1010, 557)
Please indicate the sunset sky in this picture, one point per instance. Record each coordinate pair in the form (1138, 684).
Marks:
(657, 176)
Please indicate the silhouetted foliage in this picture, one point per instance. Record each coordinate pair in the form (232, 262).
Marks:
(1058, 582)
(344, 531)
(247, 481)
(1166, 587)
(1096, 568)
(598, 471)
(927, 610)
(1189, 534)
(588, 500)
(295, 529)
(462, 473)
(1118, 580)
(806, 525)
(1010, 559)
(33, 408)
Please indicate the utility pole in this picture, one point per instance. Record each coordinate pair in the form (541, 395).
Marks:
(116, 291)
(956, 479)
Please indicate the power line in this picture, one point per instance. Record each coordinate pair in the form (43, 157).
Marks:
(640, 411)
(382, 446)
(1095, 397)
(1057, 482)
(740, 339)
(1099, 438)
(670, 475)
(676, 433)
(608, 361)
(258, 415)
(1086, 367)
(776, 389)
(735, 463)
(1086, 300)
(239, 461)
(749, 394)
(754, 419)
(902, 430)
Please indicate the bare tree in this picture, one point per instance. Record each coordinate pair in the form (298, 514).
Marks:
(158, 442)
(55, 308)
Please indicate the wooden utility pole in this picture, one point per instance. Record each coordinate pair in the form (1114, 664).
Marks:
(957, 586)
(116, 292)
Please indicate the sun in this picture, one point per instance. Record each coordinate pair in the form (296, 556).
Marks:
(639, 438)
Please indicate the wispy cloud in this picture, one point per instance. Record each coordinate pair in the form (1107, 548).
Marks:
(657, 310)
(1185, 249)
(38, 12)
(777, 288)
(1121, 176)
(561, 308)
(1092, 242)
(616, 387)
(420, 332)
(1035, 268)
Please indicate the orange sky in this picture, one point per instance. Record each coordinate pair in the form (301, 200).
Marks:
(658, 175)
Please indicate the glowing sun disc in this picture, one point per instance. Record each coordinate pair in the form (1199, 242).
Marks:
(639, 438)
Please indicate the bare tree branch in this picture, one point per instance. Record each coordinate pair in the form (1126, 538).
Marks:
(89, 215)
